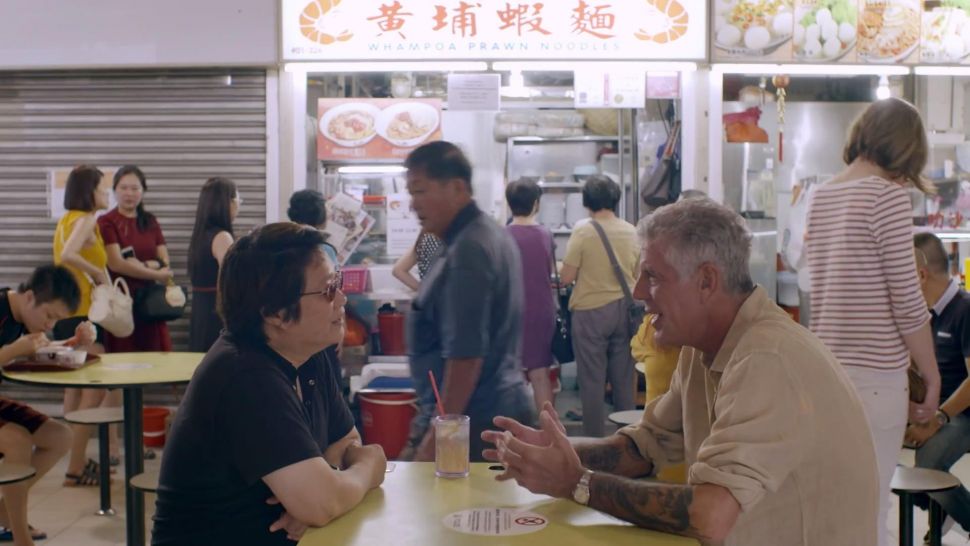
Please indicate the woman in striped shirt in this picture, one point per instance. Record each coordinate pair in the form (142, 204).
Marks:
(866, 303)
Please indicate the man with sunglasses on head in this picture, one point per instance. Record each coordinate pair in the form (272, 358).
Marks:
(466, 320)
(264, 444)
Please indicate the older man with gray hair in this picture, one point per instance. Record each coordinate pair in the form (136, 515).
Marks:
(773, 434)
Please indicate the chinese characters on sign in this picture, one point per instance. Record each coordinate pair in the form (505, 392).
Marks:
(593, 21)
(463, 21)
(391, 19)
(520, 18)
(494, 29)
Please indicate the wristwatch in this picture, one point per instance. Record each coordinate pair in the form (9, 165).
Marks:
(942, 418)
(581, 492)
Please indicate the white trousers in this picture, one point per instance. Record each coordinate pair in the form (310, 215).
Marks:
(885, 396)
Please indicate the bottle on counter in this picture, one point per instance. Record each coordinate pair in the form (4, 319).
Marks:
(760, 198)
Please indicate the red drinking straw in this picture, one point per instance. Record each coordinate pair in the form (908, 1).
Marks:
(437, 397)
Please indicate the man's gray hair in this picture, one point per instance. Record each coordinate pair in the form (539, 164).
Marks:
(701, 230)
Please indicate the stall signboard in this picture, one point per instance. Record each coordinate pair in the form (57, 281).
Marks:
(375, 129)
(324, 30)
(842, 31)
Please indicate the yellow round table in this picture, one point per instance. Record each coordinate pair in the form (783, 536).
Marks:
(409, 508)
(131, 372)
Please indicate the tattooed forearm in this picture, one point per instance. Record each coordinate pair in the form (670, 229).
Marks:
(651, 505)
(601, 457)
(616, 454)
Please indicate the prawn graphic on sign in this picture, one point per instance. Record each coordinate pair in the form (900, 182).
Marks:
(669, 25)
(313, 23)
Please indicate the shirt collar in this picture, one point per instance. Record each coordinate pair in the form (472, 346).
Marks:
(284, 365)
(749, 310)
(464, 217)
(946, 298)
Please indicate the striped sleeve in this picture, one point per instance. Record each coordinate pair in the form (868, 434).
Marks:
(892, 227)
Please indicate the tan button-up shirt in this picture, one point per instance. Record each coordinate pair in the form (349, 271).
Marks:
(774, 420)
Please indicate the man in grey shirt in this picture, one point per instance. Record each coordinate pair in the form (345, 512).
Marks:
(466, 318)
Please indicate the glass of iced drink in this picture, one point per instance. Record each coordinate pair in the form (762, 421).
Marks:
(451, 446)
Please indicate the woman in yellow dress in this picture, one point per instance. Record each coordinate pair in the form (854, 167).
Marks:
(659, 364)
(78, 246)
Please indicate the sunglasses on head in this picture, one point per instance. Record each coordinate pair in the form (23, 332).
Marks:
(330, 292)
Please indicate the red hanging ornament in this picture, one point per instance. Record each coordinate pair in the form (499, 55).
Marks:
(781, 82)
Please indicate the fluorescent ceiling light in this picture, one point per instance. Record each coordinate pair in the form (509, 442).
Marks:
(568, 66)
(371, 169)
(952, 236)
(812, 69)
(403, 66)
(942, 70)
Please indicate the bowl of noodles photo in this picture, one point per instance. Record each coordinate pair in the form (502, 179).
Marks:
(407, 124)
(351, 124)
(889, 31)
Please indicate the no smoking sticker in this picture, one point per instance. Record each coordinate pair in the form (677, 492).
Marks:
(495, 522)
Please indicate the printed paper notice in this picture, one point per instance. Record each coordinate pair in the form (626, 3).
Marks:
(402, 224)
(495, 522)
(474, 92)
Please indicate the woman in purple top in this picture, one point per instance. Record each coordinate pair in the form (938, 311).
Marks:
(538, 317)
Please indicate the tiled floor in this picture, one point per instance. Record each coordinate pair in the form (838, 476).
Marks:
(67, 514)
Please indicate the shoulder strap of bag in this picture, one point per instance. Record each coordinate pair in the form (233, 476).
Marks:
(617, 270)
(555, 271)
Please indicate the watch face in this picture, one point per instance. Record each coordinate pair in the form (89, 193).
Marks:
(581, 495)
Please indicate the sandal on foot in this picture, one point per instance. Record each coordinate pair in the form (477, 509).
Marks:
(88, 477)
(6, 535)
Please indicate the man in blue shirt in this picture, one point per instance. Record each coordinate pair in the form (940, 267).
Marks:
(466, 318)
(941, 442)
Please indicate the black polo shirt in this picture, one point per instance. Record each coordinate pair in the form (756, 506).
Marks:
(10, 329)
(469, 305)
(951, 340)
(240, 420)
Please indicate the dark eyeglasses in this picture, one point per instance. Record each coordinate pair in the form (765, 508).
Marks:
(330, 292)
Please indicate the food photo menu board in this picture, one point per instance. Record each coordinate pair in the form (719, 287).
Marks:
(753, 30)
(842, 31)
(945, 32)
(368, 129)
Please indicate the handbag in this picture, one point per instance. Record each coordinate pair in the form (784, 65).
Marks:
(111, 306)
(562, 336)
(634, 310)
(917, 387)
(157, 302)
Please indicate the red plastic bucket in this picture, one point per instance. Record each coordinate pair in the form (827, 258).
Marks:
(386, 418)
(153, 426)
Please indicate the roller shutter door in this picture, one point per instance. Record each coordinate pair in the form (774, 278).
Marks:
(180, 126)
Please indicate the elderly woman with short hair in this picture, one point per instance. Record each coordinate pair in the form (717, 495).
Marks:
(601, 336)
